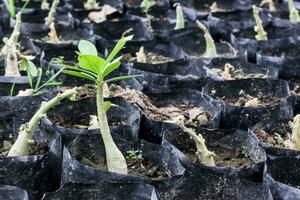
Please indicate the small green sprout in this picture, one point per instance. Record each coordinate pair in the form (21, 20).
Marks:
(10, 6)
(91, 4)
(294, 13)
(245, 151)
(96, 69)
(211, 51)
(259, 29)
(146, 5)
(179, 17)
(134, 155)
(278, 139)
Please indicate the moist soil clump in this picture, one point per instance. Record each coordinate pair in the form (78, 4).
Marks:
(193, 115)
(136, 166)
(151, 58)
(35, 149)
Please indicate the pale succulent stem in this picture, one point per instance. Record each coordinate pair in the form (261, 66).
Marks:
(296, 133)
(211, 50)
(14, 37)
(114, 157)
(22, 144)
(11, 63)
(179, 17)
(259, 28)
(51, 15)
(205, 156)
(294, 13)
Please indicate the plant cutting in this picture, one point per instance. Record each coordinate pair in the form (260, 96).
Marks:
(50, 22)
(294, 13)
(14, 59)
(204, 156)
(295, 139)
(26, 132)
(91, 5)
(179, 17)
(96, 69)
(211, 50)
(259, 29)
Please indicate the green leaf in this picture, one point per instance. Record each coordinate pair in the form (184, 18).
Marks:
(79, 69)
(53, 83)
(121, 78)
(107, 105)
(117, 48)
(91, 63)
(29, 79)
(79, 74)
(87, 48)
(39, 77)
(111, 67)
(33, 70)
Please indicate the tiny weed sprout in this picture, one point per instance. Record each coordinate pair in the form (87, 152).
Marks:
(211, 51)
(294, 13)
(205, 156)
(26, 132)
(295, 143)
(146, 5)
(96, 69)
(45, 5)
(245, 151)
(259, 29)
(91, 4)
(50, 22)
(179, 17)
(134, 155)
(278, 139)
(270, 3)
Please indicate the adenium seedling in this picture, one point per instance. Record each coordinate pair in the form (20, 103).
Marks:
(211, 51)
(14, 60)
(91, 5)
(96, 69)
(50, 22)
(24, 140)
(146, 5)
(141, 56)
(205, 156)
(179, 17)
(294, 13)
(259, 29)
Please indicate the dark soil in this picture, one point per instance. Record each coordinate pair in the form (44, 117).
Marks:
(277, 137)
(224, 157)
(282, 52)
(193, 115)
(35, 149)
(151, 58)
(249, 101)
(140, 167)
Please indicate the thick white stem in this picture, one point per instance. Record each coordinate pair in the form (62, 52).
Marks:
(11, 63)
(22, 144)
(205, 156)
(296, 133)
(211, 50)
(179, 17)
(259, 29)
(51, 15)
(294, 13)
(114, 157)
